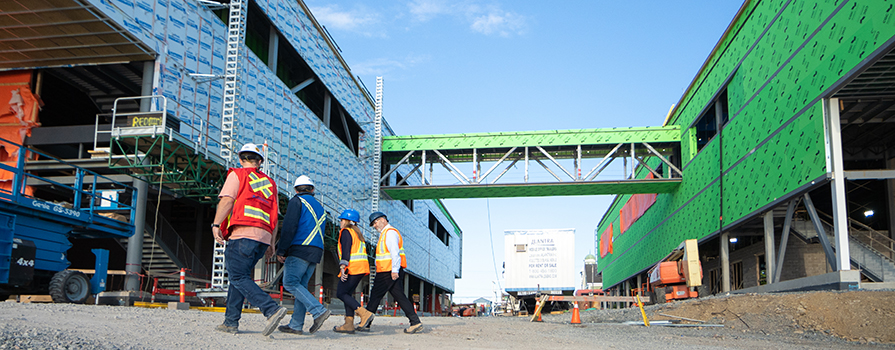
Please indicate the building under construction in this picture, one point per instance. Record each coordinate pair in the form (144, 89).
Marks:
(157, 95)
(785, 156)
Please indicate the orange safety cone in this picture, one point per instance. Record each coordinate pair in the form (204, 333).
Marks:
(576, 318)
(539, 318)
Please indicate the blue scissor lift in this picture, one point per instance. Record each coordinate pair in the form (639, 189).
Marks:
(42, 210)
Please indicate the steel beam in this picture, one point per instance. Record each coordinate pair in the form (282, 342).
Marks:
(821, 232)
(784, 239)
(547, 138)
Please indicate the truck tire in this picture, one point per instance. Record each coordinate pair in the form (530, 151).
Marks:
(69, 286)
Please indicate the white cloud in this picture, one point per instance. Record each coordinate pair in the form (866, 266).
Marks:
(485, 19)
(382, 66)
(424, 10)
(358, 20)
(503, 24)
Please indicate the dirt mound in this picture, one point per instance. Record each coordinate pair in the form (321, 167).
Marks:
(857, 316)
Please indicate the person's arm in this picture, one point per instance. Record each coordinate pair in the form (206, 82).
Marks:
(272, 249)
(345, 240)
(228, 197)
(391, 242)
(290, 225)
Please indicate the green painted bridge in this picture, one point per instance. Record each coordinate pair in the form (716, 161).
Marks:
(535, 151)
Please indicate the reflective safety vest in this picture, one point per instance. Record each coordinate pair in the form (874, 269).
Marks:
(357, 261)
(383, 256)
(311, 223)
(256, 201)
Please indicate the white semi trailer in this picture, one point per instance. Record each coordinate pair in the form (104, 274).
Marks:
(538, 262)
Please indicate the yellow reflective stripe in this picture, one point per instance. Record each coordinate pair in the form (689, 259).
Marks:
(318, 220)
(260, 184)
(256, 213)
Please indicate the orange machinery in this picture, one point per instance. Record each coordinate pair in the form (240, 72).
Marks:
(679, 278)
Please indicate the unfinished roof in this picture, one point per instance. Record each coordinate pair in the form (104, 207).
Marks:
(53, 33)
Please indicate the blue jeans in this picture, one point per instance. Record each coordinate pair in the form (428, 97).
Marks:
(240, 258)
(295, 280)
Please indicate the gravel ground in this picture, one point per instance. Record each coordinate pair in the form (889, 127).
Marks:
(65, 326)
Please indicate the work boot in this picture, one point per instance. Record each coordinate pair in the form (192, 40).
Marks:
(318, 321)
(366, 318)
(273, 321)
(226, 329)
(287, 329)
(348, 327)
(414, 328)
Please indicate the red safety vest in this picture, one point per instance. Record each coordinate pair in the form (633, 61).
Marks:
(357, 263)
(256, 201)
(383, 257)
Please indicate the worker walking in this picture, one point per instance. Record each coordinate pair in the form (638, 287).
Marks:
(301, 249)
(353, 267)
(247, 217)
(390, 265)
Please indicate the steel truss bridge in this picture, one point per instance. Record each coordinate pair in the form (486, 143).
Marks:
(534, 150)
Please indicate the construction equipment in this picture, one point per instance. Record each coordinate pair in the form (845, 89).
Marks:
(679, 274)
(38, 215)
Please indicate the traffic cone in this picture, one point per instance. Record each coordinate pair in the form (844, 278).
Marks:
(576, 318)
(539, 318)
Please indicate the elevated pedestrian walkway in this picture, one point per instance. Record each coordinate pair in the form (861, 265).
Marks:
(539, 149)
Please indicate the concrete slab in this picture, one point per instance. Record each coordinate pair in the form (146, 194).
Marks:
(837, 280)
(877, 285)
(175, 305)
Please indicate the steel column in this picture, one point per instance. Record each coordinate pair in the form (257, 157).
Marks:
(769, 258)
(725, 262)
(134, 258)
(840, 215)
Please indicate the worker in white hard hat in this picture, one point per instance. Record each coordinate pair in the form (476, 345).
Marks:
(301, 249)
(247, 217)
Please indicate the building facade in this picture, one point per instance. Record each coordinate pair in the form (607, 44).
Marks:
(795, 99)
(295, 94)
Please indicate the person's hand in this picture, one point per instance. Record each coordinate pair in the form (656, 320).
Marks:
(394, 276)
(218, 237)
(344, 276)
(271, 251)
(281, 259)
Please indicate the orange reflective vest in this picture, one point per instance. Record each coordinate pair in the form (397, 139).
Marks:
(357, 261)
(383, 256)
(256, 202)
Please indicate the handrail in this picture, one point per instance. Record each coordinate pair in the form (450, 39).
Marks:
(175, 244)
(77, 194)
(867, 235)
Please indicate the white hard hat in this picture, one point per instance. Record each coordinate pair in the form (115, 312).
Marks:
(303, 180)
(251, 147)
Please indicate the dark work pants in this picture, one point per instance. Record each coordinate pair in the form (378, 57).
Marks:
(345, 292)
(382, 284)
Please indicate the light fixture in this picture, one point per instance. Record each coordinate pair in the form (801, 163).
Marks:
(868, 213)
(733, 240)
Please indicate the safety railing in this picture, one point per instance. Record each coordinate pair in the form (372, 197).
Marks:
(874, 262)
(166, 236)
(67, 190)
(874, 239)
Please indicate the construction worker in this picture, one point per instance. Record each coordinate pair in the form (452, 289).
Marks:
(390, 265)
(247, 217)
(301, 249)
(353, 267)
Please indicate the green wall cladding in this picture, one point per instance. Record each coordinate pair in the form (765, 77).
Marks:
(779, 58)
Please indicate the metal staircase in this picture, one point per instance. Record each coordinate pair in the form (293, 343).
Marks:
(870, 250)
(165, 253)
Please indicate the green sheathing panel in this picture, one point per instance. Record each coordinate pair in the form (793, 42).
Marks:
(531, 138)
(532, 189)
(774, 143)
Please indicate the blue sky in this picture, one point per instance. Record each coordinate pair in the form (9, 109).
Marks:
(487, 66)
